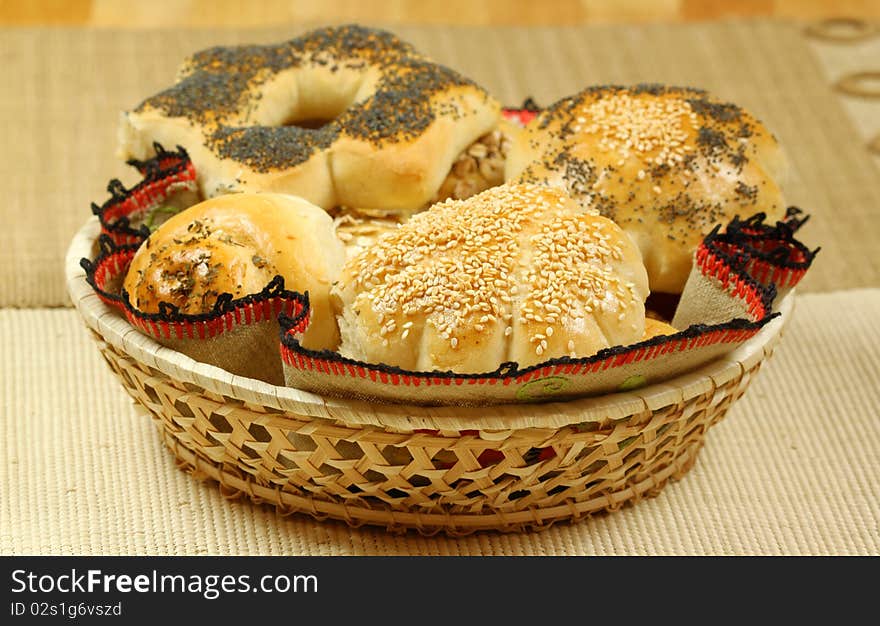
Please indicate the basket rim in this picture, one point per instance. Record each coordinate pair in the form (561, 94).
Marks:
(117, 332)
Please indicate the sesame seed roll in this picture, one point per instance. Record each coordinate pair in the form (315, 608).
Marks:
(515, 273)
(665, 163)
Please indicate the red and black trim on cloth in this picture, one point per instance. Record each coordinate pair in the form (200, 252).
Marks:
(163, 175)
(772, 254)
(720, 257)
(106, 273)
(522, 114)
(334, 364)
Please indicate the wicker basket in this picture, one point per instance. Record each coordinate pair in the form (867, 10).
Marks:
(437, 469)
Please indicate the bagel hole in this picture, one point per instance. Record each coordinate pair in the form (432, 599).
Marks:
(309, 123)
(310, 117)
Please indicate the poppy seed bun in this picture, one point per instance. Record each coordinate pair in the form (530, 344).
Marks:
(515, 273)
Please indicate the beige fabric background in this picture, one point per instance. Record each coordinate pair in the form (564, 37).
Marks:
(840, 60)
(790, 471)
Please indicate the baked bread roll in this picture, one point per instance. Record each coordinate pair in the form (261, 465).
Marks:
(237, 244)
(665, 163)
(479, 167)
(342, 116)
(516, 273)
(655, 327)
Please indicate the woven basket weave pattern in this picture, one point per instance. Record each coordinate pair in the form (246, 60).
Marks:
(431, 481)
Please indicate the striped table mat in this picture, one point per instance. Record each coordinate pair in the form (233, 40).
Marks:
(791, 470)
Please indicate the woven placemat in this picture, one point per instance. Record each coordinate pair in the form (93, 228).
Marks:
(852, 67)
(791, 470)
(64, 89)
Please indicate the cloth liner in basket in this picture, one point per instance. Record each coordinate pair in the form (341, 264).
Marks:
(240, 335)
(738, 274)
(168, 186)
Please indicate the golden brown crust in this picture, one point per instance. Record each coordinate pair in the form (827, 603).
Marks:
(343, 116)
(655, 327)
(515, 273)
(479, 167)
(665, 163)
(236, 244)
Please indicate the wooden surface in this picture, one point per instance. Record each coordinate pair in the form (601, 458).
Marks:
(241, 14)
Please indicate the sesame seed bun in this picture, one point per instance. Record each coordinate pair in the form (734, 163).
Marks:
(515, 273)
(665, 163)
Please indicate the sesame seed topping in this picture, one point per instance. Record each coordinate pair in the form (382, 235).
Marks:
(645, 156)
(523, 253)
